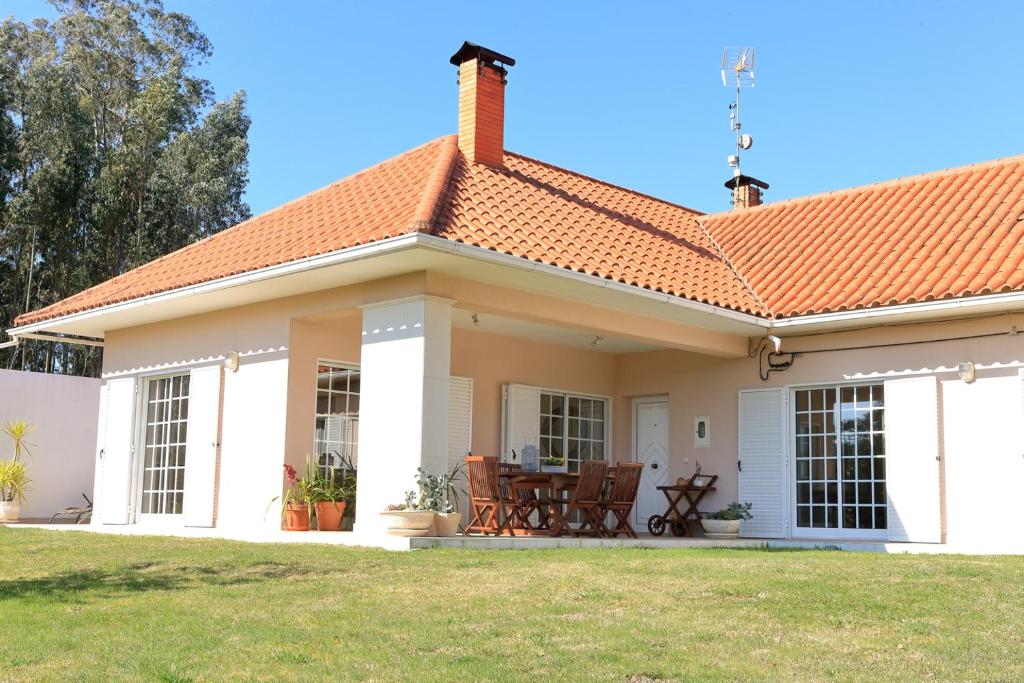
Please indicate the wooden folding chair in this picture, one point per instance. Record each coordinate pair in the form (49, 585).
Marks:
(525, 498)
(622, 497)
(491, 512)
(585, 498)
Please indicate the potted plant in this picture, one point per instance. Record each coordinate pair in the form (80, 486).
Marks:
(14, 478)
(433, 511)
(331, 494)
(554, 464)
(297, 498)
(13, 484)
(726, 522)
(407, 519)
(440, 493)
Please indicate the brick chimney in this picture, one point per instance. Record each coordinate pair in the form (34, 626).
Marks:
(746, 191)
(482, 103)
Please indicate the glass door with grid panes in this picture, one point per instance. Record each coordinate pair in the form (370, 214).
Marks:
(162, 489)
(572, 429)
(839, 457)
(336, 432)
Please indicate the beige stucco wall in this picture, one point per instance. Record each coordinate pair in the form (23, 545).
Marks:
(269, 402)
(701, 385)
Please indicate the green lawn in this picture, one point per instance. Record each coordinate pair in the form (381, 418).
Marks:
(77, 606)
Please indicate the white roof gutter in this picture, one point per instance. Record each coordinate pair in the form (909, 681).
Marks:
(390, 246)
(420, 240)
(481, 254)
(882, 314)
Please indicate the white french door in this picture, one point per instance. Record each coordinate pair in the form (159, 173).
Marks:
(161, 485)
(839, 474)
(651, 447)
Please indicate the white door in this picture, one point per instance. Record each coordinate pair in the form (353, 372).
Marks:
(202, 442)
(116, 453)
(762, 461)
(912, 464)
(984, 454)
(651, 448)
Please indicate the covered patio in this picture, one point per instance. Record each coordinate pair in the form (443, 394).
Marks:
(424, 380)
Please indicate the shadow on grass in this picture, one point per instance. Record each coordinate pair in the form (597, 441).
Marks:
(141, 577)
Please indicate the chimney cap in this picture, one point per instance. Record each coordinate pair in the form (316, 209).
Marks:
(742, 180)
(470, 51)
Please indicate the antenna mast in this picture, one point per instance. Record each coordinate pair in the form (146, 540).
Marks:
(738, 72)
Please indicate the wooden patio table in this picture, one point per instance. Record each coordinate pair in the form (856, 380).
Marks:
(552, 482)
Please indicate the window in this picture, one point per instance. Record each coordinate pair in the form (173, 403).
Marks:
(840, 457)
(573, 428)
(163, 471)
(336, 434)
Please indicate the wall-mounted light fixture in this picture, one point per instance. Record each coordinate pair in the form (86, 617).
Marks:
(231, 361)
(966, 371)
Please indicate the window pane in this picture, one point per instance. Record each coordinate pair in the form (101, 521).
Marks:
(165, 433)
(336, 423)
(840, 447)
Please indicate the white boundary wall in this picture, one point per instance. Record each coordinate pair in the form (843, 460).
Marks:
(64, 411)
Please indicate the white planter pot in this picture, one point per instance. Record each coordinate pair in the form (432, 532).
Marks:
(447, 523)
(555, 469)
(721, 528)
(409, 522)
(10, 511)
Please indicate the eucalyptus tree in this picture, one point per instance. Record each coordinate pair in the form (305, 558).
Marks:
(113, 151)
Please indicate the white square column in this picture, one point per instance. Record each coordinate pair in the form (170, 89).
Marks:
(405, 369)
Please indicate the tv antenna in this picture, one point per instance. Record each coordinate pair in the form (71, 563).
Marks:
(738, 72)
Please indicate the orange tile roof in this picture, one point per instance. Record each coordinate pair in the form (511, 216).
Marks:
(551, 215)
(531, 210)
(946, 234)
(952, 233)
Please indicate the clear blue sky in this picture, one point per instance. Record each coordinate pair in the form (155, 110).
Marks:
(848, 93)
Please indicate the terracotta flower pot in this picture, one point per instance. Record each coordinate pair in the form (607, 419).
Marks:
(296, 517)
(329, 515)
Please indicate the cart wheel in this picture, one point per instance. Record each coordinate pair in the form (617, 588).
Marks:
(656, 525)
(678, 529)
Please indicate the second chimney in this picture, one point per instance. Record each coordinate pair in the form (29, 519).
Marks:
(746, 191)
(482, 103)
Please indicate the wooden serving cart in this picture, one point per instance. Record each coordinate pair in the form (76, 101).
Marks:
(689, 491)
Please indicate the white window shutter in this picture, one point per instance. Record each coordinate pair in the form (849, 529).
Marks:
(912, 459)
(201, 445)
(118, 410)
(460, 420)
(521, 421)
(762, 455)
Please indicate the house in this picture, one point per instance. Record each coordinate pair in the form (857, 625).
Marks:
(849, 363)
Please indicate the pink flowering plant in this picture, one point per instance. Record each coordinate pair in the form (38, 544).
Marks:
(300, 490)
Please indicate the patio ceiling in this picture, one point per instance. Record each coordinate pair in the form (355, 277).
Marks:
(548, 334)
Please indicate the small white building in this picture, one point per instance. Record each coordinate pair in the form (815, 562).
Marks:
(849, 363)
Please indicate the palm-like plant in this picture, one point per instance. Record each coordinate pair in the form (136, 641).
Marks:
(14, 481)
(19, 430)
